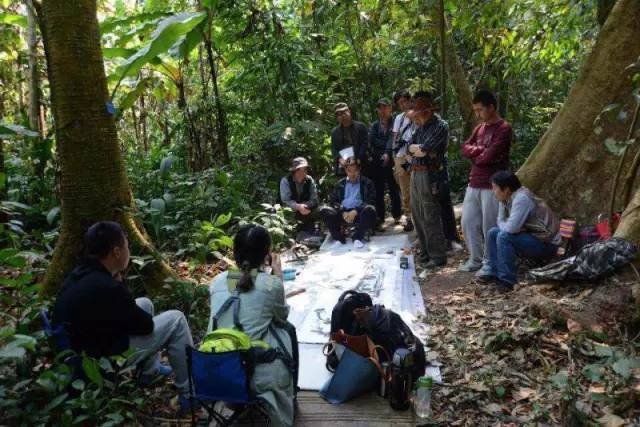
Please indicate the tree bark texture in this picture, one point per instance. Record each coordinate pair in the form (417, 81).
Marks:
(458, 77)
(94, 185)
(604, 8)
(570, 167)
(34, 76)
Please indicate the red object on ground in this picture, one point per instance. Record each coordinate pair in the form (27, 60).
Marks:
(603, 227)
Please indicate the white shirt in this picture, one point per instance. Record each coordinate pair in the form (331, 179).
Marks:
(399, 123)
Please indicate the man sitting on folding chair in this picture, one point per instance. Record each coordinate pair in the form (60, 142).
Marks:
(103, 319)
(252, 301)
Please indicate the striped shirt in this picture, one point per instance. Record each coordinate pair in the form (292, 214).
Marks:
(433, 138)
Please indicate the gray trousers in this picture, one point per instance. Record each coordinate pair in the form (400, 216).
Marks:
(427, 217)
(170, 332)
(479, 215)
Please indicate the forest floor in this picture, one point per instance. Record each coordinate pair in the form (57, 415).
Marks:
(543, 354)
(557, 354)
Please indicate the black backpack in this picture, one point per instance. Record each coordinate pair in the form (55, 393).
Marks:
(387, 329)
(342, 316)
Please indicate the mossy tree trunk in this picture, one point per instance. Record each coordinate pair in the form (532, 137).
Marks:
(94, 184)
(570, 167)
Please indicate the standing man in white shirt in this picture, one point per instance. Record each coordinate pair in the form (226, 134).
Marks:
(403, 130)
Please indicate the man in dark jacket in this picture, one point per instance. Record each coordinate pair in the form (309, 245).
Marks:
(351, 202)
(348, 133)
(103, 319)
(380, 168)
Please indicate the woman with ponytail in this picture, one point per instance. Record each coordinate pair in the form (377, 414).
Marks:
(262, 315)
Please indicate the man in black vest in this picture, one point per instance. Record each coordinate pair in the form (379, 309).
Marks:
(351, 202)
(298, 191)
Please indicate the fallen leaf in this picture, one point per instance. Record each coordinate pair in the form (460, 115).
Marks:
(492, 408)
(611, 420)
(478, 387)
(523, 394)
(573, 326)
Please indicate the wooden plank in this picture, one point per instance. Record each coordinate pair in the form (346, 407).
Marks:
(367, 410)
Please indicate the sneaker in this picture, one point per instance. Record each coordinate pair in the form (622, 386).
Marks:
(358, 244)
(381, 227)
(470, 266)
(161, 373)
(337, 244)
(408, 226)
(397, 220)
(455, 246)
(435, 263)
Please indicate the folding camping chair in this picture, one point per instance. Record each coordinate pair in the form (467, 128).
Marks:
(222, 377)
(58, 336)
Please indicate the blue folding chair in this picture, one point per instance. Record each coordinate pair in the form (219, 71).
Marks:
(58, 335)
(223, 377)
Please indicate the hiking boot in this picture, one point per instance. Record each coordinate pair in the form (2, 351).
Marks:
(397, 220)
(470, 266)
(435, 263)
(503, 287)
(423, 258)
(408, 226)
(485, 279)
(381, 227)
(161, 373)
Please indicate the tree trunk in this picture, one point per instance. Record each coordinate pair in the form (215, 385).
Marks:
(34, 76)
(458, 76)
(604, 8)
(221, 116)
(93, 181)
(570, 167)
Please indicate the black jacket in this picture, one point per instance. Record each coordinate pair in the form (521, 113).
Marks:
(367, 192)
(356, 135)
(99, 312)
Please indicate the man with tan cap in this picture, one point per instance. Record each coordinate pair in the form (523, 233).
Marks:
(348, 133)
(427, 154)
(298, 191)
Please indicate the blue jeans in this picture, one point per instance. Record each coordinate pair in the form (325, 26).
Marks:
(503, 248)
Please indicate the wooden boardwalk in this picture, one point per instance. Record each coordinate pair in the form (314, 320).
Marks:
(369, 410)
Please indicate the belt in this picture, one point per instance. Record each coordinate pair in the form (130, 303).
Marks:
(419, 168)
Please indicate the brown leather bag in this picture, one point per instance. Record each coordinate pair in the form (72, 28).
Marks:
(360, 344)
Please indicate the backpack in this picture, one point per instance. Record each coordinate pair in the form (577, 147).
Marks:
(387, 329)
(227, 339)
(342, 316)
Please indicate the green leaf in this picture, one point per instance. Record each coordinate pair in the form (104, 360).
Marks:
(624, 366)
(110, 24)
(92, 370)
(132, 96)
(188, 42)
(117, 52)
(159, 205)
(53, 214)
(165, 166)
(222, 220)
(17, 348)
(561, 379)
(13, 19)
(8, 130)
(55, 402)
(168, 33)
(593, 372)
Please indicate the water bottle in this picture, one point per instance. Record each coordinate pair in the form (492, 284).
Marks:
(383, 387)
(401, 381)
(422, 402)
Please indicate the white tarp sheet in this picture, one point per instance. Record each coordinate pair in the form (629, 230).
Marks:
(374, 269)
